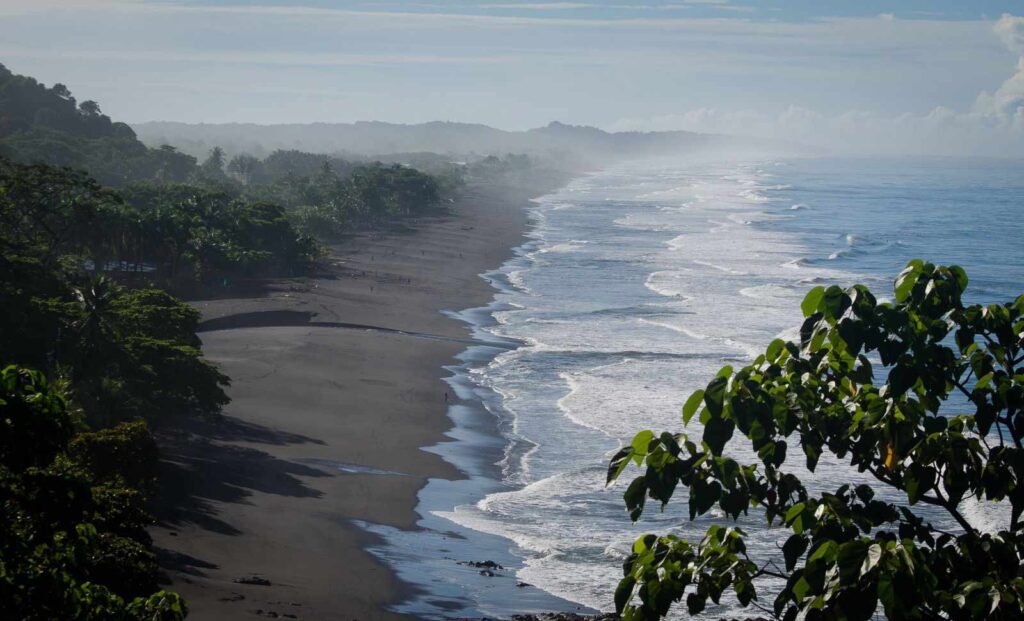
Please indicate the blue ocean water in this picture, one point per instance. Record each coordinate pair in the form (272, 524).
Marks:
(640, 282)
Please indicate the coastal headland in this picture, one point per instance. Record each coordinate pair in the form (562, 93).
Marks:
(336, 386)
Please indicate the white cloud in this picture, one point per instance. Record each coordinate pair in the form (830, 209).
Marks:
(1010, 29)
(994, 125)
(1006, 105)
(250, 57)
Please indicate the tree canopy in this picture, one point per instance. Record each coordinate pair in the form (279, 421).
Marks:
(73, 543)
(924, 395)
(87, 365)
(96, 231)
(46, 125)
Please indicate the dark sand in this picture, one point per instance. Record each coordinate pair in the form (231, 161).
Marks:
(271, 489)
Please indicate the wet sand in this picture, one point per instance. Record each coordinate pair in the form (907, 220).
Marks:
(336, 386)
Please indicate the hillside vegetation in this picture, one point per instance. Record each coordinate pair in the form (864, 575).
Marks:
(97, 231)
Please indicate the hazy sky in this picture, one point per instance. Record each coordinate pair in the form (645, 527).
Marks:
(932, 73)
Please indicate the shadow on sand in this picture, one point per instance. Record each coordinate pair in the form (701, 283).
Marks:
(198, 467)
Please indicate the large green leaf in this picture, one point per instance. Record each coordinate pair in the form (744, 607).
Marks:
(809, 306)
(692, 405)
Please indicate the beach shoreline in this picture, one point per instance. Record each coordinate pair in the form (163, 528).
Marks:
(336, 387)
(457, 571)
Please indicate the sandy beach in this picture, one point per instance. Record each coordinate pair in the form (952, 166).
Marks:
(336, 386)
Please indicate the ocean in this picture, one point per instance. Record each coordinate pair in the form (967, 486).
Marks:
(638, 283)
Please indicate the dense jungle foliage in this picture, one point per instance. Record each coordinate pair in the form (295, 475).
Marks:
(94, 351)
(95, 230)
(172, 192)
(40, 124)
(87, 364)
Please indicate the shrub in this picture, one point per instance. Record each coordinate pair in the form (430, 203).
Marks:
(850, 553)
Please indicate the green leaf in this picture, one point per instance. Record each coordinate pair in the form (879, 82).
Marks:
(794, 547)
(794, 511)
(744, 592)
(703, 496)
(801, 589)
(850, 559)
(912, 485)
(826, 551)
(619, 463)
(695, 603)
(717, 432)
(874, 554)
(624, 593)
(644, 543)
(907, 279)
(812, 449)
(887, 593)
(692, 405)
(808, 328)
(640, 443)
(834, 302)
(810, 304)
(960, 275)
(901, 378)
(635, 496)
(714, 396)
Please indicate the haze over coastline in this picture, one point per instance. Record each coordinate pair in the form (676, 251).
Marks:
(919, 78)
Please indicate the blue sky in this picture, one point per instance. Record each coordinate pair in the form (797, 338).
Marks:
(754, 66)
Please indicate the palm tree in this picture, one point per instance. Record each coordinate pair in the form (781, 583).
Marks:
(96, 300)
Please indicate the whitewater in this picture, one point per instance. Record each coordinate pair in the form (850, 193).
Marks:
(637, 284)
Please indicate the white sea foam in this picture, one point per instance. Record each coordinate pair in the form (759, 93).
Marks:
(754, 196)
(570, 246)
(619, 330)
(517, 279)
(985, 515)
(720, 268)
(667, 283)
(680, 329)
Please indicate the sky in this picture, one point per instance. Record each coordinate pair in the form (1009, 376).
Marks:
(930, 76)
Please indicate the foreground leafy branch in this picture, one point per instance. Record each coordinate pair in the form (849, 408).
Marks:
(849, 552)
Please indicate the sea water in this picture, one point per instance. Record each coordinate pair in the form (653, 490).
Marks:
(638, 283)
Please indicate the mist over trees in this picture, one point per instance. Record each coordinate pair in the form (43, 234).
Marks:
(569, 144)
(199, 218)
